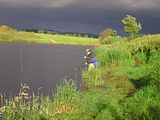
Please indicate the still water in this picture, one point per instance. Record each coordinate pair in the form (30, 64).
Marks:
(41, 67)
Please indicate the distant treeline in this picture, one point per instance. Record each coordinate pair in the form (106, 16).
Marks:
(89, 35)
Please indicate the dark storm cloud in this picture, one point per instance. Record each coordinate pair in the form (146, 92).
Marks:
(79, 15)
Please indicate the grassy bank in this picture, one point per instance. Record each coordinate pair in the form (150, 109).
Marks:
(11, 35)
(129, 73)
(125, 86)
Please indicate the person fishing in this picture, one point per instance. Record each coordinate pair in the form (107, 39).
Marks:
(92, 61)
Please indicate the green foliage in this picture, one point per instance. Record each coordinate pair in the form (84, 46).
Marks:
(140, 49)
(93, 79)
(135, 36)
(154, 57)
(105, 34)
(27, 107)
(109, 56)
(140, 58)
(66, 99)
(105, 115)
(124, 86)
(129, 69)
(155, 75)
(96, 104)
(111, 39)
(91, 104)
(131, 26)
(65, 92)
(144, 105)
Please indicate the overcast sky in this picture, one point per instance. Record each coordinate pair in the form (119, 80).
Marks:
(86, 16)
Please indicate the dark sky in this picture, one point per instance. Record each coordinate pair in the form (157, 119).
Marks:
(86, 16)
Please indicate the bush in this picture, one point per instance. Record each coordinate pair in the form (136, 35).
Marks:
(111, 39)
(107, 33)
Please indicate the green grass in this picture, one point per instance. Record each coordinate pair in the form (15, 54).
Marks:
(124, 86)
(144, 104)
(130, 70)
(30, 107)
(11, 35)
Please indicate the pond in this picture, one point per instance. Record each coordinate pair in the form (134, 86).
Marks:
(41, 67)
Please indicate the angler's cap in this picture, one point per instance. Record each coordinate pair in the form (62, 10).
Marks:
(87, 50)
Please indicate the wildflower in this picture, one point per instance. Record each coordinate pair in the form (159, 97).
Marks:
(2, 110)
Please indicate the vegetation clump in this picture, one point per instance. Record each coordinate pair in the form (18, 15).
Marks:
(106, 36)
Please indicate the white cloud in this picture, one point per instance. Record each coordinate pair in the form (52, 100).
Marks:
(103, 4)
(62, 3)
(121, 4)
(142, 4)
(37, 3)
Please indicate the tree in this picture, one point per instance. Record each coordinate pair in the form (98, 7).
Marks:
(107, 33)
(131, 26)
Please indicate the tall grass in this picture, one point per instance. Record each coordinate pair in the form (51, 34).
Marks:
(109, 56)
(31, 107)
(66, 98)
(93, 79)
(120, 51)
(124, 86)
(131, 68)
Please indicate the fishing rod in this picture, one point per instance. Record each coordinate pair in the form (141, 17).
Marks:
(61, 53)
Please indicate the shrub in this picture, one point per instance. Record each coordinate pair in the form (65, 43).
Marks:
(111, 39)
(106, 33)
